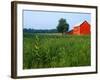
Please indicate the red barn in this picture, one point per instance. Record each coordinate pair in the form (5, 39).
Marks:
(82, 29)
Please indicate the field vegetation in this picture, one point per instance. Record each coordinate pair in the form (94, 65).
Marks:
(55, 50)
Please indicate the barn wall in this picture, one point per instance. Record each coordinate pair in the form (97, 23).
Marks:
(85, 28)
(76, 30)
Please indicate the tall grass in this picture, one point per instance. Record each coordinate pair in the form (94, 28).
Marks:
(48, 51)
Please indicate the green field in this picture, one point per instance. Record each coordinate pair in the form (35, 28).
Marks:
(48, 51)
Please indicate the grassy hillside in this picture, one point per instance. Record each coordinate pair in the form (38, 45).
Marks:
(47, 51)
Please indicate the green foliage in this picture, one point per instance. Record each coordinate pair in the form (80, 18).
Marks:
(48, 51)
(63, 26)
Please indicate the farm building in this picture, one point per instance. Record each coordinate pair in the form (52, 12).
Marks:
(82, 29)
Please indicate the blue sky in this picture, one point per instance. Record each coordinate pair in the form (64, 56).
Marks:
(49, 20)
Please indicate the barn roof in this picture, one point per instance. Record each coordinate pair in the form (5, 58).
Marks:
(85, 22)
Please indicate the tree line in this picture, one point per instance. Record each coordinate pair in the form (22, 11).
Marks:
(40, 31)
(62, 27)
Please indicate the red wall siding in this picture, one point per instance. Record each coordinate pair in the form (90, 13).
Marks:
(85, 28)
(76, 30)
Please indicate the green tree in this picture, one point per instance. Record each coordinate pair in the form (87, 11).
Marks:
(63, 26)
